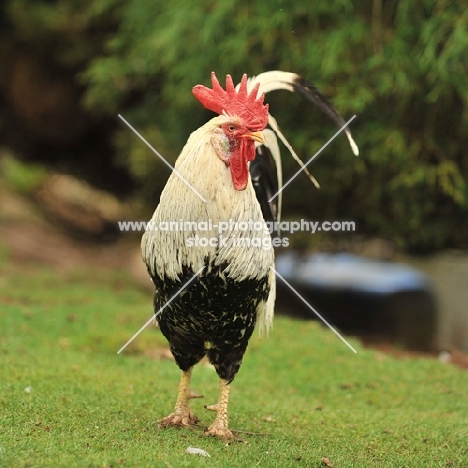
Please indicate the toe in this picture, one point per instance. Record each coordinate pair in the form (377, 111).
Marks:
(178, 420)
(222, 433)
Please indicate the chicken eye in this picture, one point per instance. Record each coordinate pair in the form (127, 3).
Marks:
(231, 128)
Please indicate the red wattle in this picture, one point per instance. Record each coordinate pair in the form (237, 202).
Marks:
(238, 163)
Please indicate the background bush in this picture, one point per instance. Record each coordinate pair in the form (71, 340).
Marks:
(401, 66)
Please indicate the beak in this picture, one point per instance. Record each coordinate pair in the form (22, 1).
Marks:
(255, 136)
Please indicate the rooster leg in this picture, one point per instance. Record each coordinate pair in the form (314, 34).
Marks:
(182, 416)
(219, 428)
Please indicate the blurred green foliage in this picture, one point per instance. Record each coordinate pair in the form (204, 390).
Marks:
(23, 178)
(400, 65)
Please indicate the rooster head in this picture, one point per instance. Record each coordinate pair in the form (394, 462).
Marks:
(244, 118)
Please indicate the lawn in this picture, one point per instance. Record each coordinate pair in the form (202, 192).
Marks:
(301, 399)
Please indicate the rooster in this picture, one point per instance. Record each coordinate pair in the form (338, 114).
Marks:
(212, 291)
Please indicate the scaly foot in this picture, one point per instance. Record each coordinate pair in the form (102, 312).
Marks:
(182, 416)
(219, 428)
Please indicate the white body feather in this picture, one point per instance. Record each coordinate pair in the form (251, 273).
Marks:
(167, 252)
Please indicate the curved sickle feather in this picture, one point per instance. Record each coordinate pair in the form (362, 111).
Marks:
(275, 80)
(272, 81)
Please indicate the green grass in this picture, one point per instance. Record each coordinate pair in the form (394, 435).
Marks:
(300, 395)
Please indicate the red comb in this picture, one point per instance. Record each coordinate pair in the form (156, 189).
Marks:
(242, 104)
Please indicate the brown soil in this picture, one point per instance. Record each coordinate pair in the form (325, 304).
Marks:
(30, 237)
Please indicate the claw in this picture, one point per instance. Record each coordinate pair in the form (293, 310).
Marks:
(212, 407)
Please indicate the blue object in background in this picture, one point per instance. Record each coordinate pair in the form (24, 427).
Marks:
(346, 271)
(361, 296)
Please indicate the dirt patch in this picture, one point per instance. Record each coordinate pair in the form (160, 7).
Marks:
(29, 237)
(454, 357)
